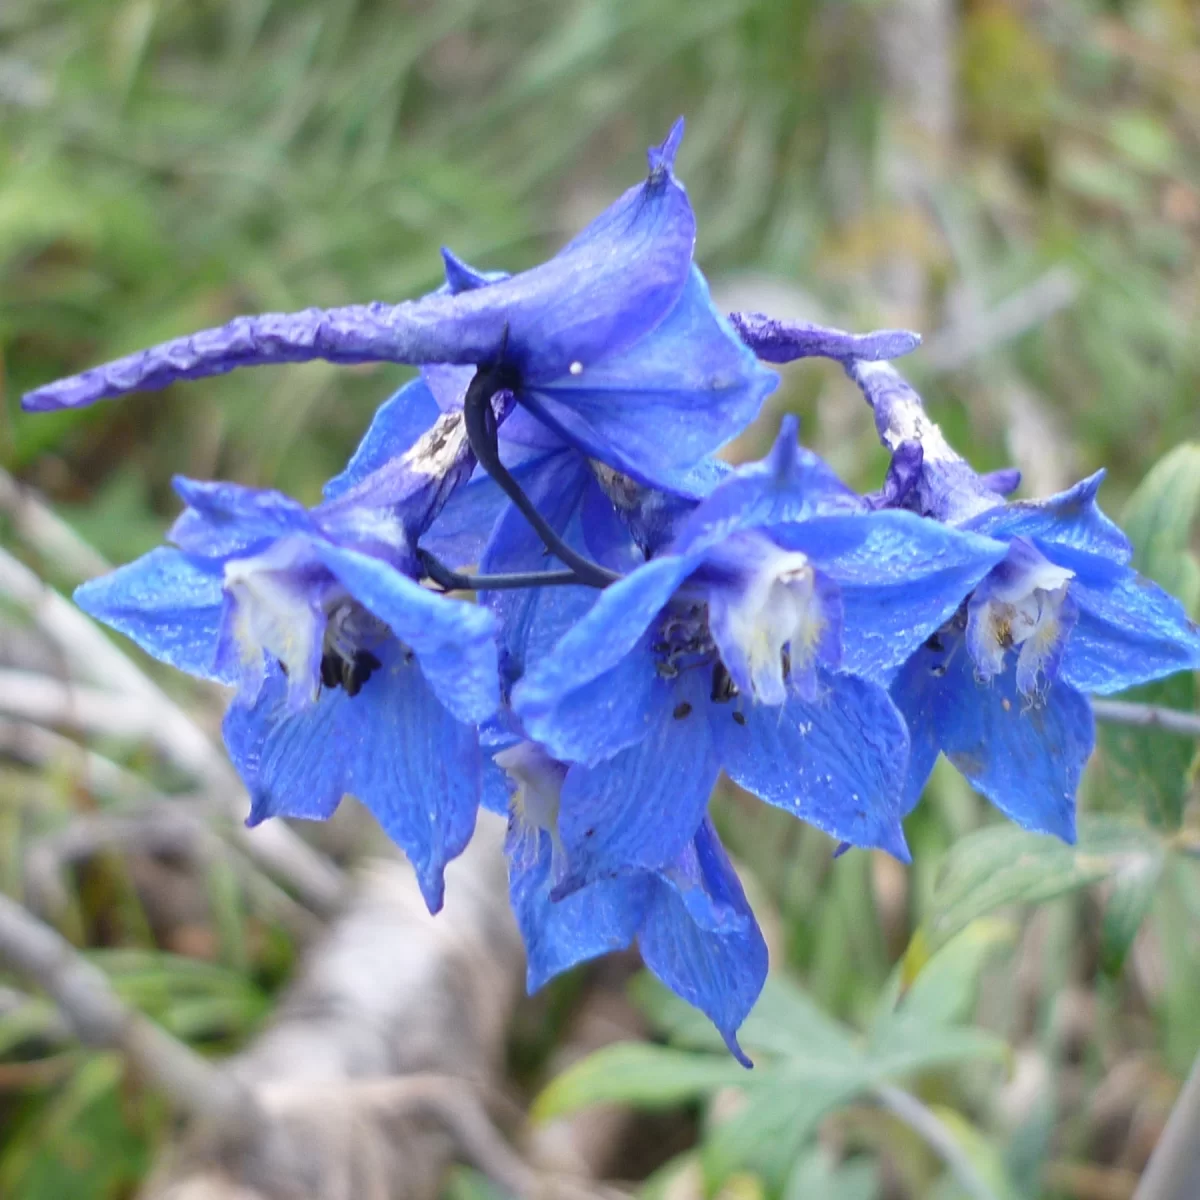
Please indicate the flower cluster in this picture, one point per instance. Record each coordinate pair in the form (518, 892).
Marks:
(646, 617)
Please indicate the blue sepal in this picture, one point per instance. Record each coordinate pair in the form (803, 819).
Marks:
(393, 746)
(169, 604)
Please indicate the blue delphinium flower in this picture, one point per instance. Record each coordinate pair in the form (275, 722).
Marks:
(751, 645)
(689, 917)
(350, 676)
(1002, 688)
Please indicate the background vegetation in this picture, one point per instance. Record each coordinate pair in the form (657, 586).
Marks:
(1018, 180)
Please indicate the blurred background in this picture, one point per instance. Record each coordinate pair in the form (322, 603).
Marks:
(1019, 180)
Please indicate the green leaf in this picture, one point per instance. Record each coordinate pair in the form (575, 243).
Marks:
(940, 988)
(1134, 887)
(1143, 763)
(1159, 518)
(781, 1112)
(814, 1175)
(784, 1022)
(903, 1046)
(1003, 865)
(638, 1074)
(465, 1183)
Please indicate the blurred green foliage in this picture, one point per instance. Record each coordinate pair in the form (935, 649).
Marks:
(166, 164)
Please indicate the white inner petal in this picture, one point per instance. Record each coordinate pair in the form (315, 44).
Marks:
(779, 608)
(273, 615)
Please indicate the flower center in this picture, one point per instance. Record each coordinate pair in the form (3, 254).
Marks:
(284, 605)
(775, 619)
(1024, 604)
(683, 639)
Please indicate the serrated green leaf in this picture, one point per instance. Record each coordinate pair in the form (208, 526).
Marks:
(638, 1074)
(1003, 865)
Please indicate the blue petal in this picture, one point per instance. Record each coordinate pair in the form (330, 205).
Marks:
(653, 515)
(558, 934)
(790, 485)
(531, 620)
(168, 604)
(605, 535)
(454, 641)
(226, 519)
(1129, 631)
(901, 577)
(678, 394)
(460, 531)
(836, 763)
(611, 283)
(718, 965)
(576, 700)
(397, 423)
(1071, 518)
(641, 808)
(393, 746)
(1026, 759)
(912, 692)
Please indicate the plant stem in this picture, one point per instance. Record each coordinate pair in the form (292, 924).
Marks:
(1147, 716)
(481, 433)
(922, 1121)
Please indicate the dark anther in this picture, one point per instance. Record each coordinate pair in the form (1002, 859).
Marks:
(282, 667)
(358, 670)
(785, 658)
(681, 710)
(739, 717)
(934, 642)
(723, 687)
(331, 670)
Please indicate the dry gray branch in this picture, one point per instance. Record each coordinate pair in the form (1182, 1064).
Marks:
(40, 528)
(377, 1069)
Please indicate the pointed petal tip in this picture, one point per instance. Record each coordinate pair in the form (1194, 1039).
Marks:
(260, 810)
(736, 1050)
(789, 428)
(433, 889)
(460, 276)
(786, 446)
(662, 158)
(894, 843)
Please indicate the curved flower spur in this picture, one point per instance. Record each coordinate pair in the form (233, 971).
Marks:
(1001, 689)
